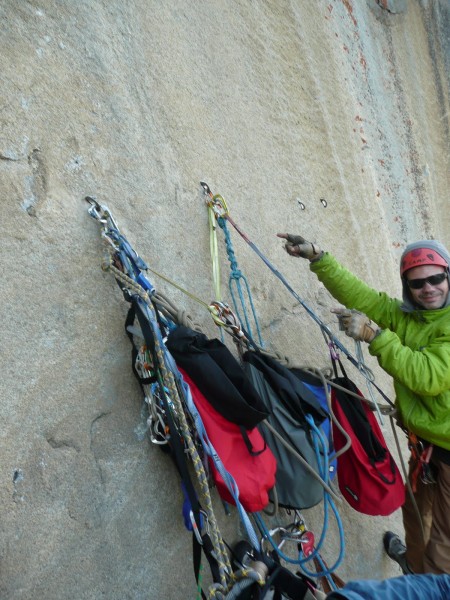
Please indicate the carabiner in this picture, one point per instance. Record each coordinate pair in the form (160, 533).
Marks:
(216, 203)
(101, 213)
(203, 524)
(307, 543)
(96, 210)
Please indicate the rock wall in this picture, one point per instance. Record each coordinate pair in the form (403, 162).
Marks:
(325, 118)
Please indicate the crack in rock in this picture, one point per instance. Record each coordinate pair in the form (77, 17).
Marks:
(63, 443)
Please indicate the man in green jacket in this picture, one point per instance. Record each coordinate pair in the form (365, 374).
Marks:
(411, 340)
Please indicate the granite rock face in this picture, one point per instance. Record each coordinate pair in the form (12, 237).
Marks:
(328, 119)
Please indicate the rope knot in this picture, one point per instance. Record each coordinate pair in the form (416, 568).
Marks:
(236, 274)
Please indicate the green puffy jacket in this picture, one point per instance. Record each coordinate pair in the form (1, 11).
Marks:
(414, 348)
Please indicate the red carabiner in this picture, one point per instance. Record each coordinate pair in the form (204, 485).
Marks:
(307, 542)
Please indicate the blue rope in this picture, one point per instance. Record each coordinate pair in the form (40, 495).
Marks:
(319, 439)
(236, 279)
(323, 471)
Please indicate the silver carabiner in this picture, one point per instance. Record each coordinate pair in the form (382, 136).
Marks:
(96, 210)
(101, 213)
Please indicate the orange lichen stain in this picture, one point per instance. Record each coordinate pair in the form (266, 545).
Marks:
(381, 161)
(378, 193)
(349, 8)
(363, 62)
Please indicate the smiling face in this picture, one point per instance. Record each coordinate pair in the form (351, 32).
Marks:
(429, 296)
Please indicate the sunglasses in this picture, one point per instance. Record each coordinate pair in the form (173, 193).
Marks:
(417, 284)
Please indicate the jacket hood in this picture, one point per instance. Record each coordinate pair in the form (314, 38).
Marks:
(408, 304)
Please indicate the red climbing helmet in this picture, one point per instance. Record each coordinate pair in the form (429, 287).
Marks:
(419, 257)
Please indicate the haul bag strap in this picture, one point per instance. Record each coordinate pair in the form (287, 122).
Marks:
(358, 420)
(249, 444)
(197, 560)
(379, 390)
(383, 477)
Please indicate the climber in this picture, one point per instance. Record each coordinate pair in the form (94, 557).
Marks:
(411, 341)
